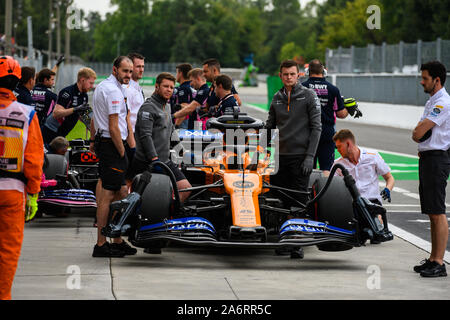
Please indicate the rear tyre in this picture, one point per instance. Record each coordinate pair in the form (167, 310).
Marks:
(55, 165)
(334, 208)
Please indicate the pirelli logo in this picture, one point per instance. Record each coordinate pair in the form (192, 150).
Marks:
(13, 123)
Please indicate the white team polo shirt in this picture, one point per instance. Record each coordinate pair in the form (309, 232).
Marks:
(370, 166)
(109, 99)
(135, 99)
(437, 109)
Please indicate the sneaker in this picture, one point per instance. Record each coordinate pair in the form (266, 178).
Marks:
(153, 250)
(422, 266)
(125, 247)
(107, 251)
(284, 251)
(434, 270)
(297, 253)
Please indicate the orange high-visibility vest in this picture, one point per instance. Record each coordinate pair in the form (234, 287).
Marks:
(15, 120)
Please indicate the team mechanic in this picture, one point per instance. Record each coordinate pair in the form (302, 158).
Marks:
(134, 95)
(332, 106)
(44, 99)
(25, 85)
(365, 166)
(134, 92)
(227, 102)
(182, 96)
(295, 111)
(198, 105)
(154, 129)
(211, 69)
(21, 161)
(113, 132)
(433, 135)
(72, 101)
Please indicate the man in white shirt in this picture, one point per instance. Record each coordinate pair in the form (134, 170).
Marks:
(365, 166)
(113, 132)
(134, 95)
(134, 92)
(432, 134)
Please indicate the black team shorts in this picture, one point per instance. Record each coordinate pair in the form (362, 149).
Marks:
(112, 167)
(434, 167)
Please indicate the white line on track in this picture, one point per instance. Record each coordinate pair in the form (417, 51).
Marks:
(416, 241)
(395, 153)
(401, 205)
(404, 211)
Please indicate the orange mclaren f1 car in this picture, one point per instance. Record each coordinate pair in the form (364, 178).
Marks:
(232, 202)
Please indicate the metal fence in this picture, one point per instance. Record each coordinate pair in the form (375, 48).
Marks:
(387, 58)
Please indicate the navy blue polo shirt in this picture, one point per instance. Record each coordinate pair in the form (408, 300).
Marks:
(69, 97)
(44, 102)
(330, 100)
(181, 94)
(214, 100)
(23, 95)
(202, 94)
(185, 93)
(226, 104)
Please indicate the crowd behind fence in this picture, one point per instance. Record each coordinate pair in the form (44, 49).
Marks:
(387, 58)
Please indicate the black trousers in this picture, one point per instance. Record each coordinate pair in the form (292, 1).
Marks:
(289, 176)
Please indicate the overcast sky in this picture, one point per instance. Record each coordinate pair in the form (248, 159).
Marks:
(103, 6)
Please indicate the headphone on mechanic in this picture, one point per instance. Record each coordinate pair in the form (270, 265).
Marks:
(316, 62)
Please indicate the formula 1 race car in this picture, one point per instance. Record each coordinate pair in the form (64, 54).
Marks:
(83, 164)
(233, 204)
(60, 190)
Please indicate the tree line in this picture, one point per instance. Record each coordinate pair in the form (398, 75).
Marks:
(194, 30)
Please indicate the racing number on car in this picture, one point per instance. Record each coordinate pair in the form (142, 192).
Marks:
(88, 157)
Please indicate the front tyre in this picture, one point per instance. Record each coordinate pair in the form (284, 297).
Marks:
(335, 208)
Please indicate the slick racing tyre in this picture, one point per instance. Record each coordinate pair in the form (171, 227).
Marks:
(157, 199)
(316, 174)
(334, 208)
(55, 165)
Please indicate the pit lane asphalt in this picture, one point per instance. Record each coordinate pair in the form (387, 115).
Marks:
(56, 264)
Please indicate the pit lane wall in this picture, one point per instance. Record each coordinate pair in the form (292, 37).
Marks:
(394, 100)
(388, 115)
